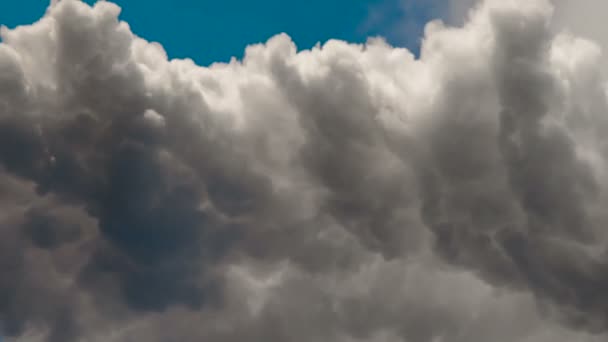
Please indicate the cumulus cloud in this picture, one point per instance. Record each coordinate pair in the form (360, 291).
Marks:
(344, 193)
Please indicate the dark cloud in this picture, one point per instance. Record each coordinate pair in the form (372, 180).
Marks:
(46, 230)
(345, 193)
(529, 206)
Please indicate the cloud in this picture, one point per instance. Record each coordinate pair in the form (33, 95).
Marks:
(401, 21)
(344, 193)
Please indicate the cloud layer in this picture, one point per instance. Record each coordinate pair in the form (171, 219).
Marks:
(345, 193)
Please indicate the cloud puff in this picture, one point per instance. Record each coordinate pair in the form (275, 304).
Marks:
(344, 193)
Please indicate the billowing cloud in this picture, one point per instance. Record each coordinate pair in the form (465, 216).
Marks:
(344, 193)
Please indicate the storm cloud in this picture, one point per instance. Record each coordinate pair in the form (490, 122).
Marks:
(351, 192)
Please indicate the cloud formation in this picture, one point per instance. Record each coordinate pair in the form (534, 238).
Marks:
(344, 193)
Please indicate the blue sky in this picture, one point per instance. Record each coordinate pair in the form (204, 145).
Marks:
(214, 30)
(209, 31)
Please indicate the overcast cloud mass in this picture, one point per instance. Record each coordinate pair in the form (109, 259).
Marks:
(347, 193)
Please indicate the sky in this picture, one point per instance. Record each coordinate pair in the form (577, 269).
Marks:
(210, 31)
(344, 193)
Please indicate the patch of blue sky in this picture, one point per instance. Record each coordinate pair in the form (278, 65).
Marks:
(209, 31)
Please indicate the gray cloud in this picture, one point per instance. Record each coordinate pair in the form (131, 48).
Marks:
(344, 193)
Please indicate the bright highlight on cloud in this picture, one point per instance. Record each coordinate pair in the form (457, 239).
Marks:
(344, 193)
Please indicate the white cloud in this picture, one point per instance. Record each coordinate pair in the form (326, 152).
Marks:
(343, 193)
